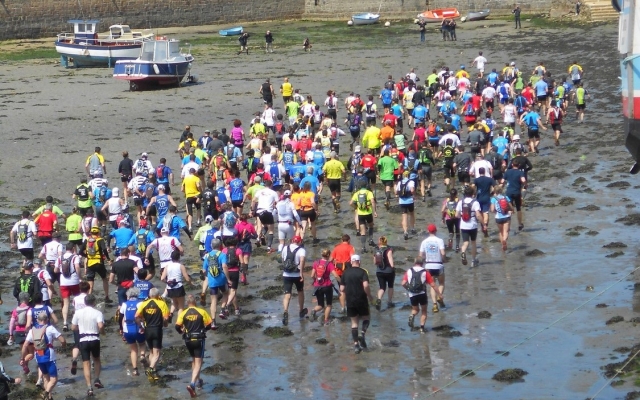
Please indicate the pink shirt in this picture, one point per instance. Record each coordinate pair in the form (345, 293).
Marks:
(237, 134)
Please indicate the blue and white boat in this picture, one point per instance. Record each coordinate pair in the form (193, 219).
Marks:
(365, 18)
(161, 62)
(85, 47)
(231, 31)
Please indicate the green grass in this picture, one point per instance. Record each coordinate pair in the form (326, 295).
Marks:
(28, 54)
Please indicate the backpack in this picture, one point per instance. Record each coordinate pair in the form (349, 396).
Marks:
(23, 232)
(219, 161)
(520, 103)
(208, 196)
(279, 128)
(432, 132)
(141, 166)
(496, 161)
(214, 265)
(575, 73)
(403, 191)
(141, 239)
(363, 203)
(425, 156)
(102, 195)
(65, 266)
(369, 107)
(380, 258)
(40, 340)
(317, 117)
(503, 91)
(83, 193)
(502, 206)
(289, 264)
(415, 284)
(322, 275)
(160, 175)
(21, 314)
(411, 163)
(219, 175)
(233, 260)
(92, 247)
(451, 208)
(555, 116)
(448, 152)
(252, 165)
(149, 190)
(467, 212)
(468, 110)
(354, 126)
(230, 220)
(168, 223)
(274, 172)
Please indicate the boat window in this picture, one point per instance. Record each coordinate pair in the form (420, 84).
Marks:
(147, 51)
(115, 32)
(161, 51)
(174, 49)
(89, 28)
(80, 28)
(126, 29)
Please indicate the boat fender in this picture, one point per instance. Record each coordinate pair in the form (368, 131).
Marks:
(156, 69)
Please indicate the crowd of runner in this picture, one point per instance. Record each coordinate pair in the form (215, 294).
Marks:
(279, 176)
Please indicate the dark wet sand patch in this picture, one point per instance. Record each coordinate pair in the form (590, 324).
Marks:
(510, 375)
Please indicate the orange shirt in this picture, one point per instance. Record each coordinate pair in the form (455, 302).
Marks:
(307, 200)
(342, 253)
(386, 133)
(295, 199)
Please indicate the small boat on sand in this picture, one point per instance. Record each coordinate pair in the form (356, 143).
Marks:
(477, 15)
(438, 14)
(231, 31)
(365, 18)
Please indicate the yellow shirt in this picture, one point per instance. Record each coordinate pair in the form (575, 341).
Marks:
(190, 185)
(462, 73)
(333, 169)
(371, 138)
(193, 144)
(295, 199)
(365, 205)
(287, 89)
(306, 200)
(257, 128)
(100, 157)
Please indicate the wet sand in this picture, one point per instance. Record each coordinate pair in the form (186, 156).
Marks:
(52, 118)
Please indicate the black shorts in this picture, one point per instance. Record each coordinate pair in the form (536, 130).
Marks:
(324, 295)
(96, 269)
(191, 202)
(581, 107)
(266, 217)
(419, 300)
(177, 292)
(387, 183)
(310, 215)
(464, 177)
(448, 168)
(334, 185)
(289, 282)
(488, 104)
(533, 133)
(385, 279)
(469, 234)
(435, 272)
(234, 277)
(371, 175)
(89, 349)
(153, 337)
(125, 178)
(236, 203)
(100, 215)
(427, 171)
(557, 127)
(407, 208)
(137, 201)
(516, 200)
(152, 211)
(453, 224)
(358, 310)
(542, 99)
(27, 253)
(195, 348)
(365, 219)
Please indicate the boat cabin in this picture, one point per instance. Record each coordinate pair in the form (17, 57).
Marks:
(160, 50)
(84, 31)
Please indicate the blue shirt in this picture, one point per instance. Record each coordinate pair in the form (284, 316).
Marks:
(314, 183)
(129, 319)
(145, 199)
(494, 201)
(318, 159)
(514, 182)
(274, 173)
(386, 94)
(149, 238)
(456, 122)
(397, 110)
(420, 113)
(531, 119)
(234, 154)
(297, 169)
(492, 77)
(483, 185)
(287, 159)
(106, 194)
(162, 206)
(186, 159)
(124, 237)
(143, 287)
(175, 225)
(501, 143)
(165, 174)
(221, 279)
(235, 189)
(541, 88)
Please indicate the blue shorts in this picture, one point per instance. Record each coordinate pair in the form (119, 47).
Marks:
(134, 337)
(485, 207)
(49, 368)
(504, 101)
(245, 248)
(218, 289)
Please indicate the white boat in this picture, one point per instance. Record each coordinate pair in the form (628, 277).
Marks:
(160, 62)
(85, 47)
(365, 18)
(477, 15)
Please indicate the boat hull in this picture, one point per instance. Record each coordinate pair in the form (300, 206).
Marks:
(94, 56)
(151, 74)
(439, 14)
(231, 31)
(478, 16)
(365, 19)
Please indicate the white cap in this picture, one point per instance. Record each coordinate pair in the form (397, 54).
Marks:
(287, 193)
(513, 64)
(164, 230)
(115, 192)
(516, 137)
(144, 155)
(355, 257)
(208, 218)
(161, 187)
(357, 149)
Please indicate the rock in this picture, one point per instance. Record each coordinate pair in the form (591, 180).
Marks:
(484, 315)
(615, 245)
(237, 325)
(467, 372)
(534, 253)
(222, 388)
(446, 331)
(632, 395)
(503, 353)
(277, 332)
(619, 184)
(635, 320)
(590, 207)
(631, 219)
(578, 354)
(592, 233)
(625, 366)
(510, 375)
(601, 305)
(271, 292)
(622, 349)
(615, 254)
(614, 320)
(322, 341)
(391, 343)
(566, 201)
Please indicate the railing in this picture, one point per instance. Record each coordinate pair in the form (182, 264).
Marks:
(103, 40)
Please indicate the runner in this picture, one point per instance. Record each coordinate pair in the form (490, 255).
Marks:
(364, 203)
(215, 270)
(533, 122)
(581, 96)
(131, 332)
(334, 172)
(468, 210)
(264, 203)
(414, 281)
(341, 258)
(355, 286)
(70, 277)
(246, 232)
(95, 166)
(405, 190)
(516, 183)
(555, 116)
(18, 321)
(47, 223)
(28, 283)
(96, 253)
(323, 286)
(122, 275)
(501, 206)
(174, 273)
(21, 237)
(385, 166)
(153, 314)
(385, 271)
(294, 259)
(165, 245)
(484, 188)
(89, 323)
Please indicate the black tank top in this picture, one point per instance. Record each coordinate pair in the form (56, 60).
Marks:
(266, 89)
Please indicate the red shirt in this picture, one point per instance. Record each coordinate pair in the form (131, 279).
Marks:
(476, 101)
(397, 154)
(369, 162)
(390, 117)
(420, 134)
(528, 94)
(262, 174)
(45, 222)
(304, 145)
(323, 280)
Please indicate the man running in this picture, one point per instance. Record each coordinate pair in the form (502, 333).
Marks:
(433, 254)
(89, 323)
(414, 281)
(468, 210)
(294, 259)
(365, 204)
(355, 286)
(153, 314)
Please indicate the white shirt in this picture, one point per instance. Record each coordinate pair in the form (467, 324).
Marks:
(31, 232)
(52, 334)
(286, 211)
(266, 200)
(412, 76)
(165, 246)
(298, 257)
(480, 61)
(78, 301)
(43, 275)
(507, 88)
(476, 165)
(97, 182)
(475, 211)
(87, 320)
(307, 110)
(464, 82)
(135, 183)
(431, 247)
(185, 170)
(452, 83)
(269, 117)
(265, 159)
(489, 93)
(52, 252)
(149, 166)
(114, 208)
(443, 140)
(174, 273)
(334, 103)
(417, 270)
(74, 279)
(509, 114)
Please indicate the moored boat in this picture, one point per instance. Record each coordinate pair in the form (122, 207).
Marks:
(231, 31)
(477, 15)
(85, 47)
(438, 14)
(161, 62)
(365, 18)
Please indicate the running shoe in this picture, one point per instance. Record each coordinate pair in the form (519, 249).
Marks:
(135, 372)
(422, 330)
(144, 361)
(413, 231)
(237, 312)
(40, 383)
(98, 384)
(463, 255)
(314, 316)
(429, 192)
(25, 368)
(406, 236)
(191, 388)
(457, 249)
(378, 302)
(263, 240)
(243, 279)
(74, 367)
(108, 300)
(474, 263)
(155, 375)
(362, 342)
(304, 312)
(411, 318)
(485, 231)
(358, 233)
(90, 392)
(364, 250)
(213, 325)
(223, 314)
(357, 349)
(203, 299)
(387, 205)
(390, 304)
(435, 308)
(520, 227)
(372, 243)
(557, 142)
(285, 318)
(450, 244)
(65, 328)
(270, 250)
(440, 301)
(199, 384)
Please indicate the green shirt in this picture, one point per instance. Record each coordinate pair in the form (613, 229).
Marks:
(386, 165)
(73, 227)
(580, 93)
(57, 211)
(431, 79)
(200, 235)
(399, 139)
(253, 190)
(519, 85)
(292, 108)
(201, 154)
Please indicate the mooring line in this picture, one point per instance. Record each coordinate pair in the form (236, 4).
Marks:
(534, 335)
(619, 371)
